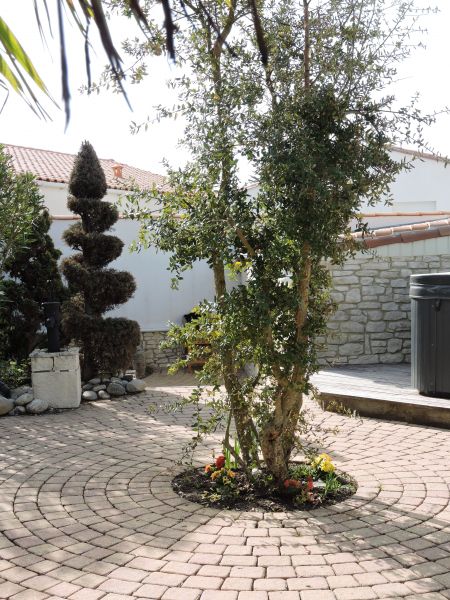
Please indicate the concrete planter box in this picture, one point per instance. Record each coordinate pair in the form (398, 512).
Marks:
(56, 377)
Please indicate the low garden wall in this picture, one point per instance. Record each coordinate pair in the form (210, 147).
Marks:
(372, 322)
(156, 358)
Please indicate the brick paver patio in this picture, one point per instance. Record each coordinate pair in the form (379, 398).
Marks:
(87, 512)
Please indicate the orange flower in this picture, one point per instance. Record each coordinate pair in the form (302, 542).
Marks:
(208, 468)
(215, 475)
(231, 474)
(292, 483)
(220, 461)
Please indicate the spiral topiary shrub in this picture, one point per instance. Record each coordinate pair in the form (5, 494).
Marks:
(107, 344)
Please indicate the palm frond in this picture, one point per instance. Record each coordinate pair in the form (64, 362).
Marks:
(20, 71)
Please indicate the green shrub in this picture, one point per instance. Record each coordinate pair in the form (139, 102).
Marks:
(107, 344)
(33, 278)
(15, 373)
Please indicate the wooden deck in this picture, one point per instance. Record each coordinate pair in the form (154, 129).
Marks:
(382, 391)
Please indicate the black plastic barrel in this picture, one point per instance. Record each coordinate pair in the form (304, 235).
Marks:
(430, 333)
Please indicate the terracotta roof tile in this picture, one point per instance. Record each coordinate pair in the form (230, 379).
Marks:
(404, 234)
(419, 154)
(47, 165)
(430, 213)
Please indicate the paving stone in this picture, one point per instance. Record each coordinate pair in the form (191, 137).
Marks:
(203, 583)
(90, 514)
(181, 594)
(219, 595)
(30, 595)
(8, 589)
(317, 595)
(237, 583)
(270, 585)
(86, 594)
(361, 593)
(149, 590)
(116, 585)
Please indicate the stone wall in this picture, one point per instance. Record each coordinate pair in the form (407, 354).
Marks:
(156, 358)
(372, 321)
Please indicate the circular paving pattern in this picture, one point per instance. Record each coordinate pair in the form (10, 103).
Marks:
(87, 511)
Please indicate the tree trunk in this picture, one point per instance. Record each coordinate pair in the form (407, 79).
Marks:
(241, 415)
(238, 405)
(278, 436)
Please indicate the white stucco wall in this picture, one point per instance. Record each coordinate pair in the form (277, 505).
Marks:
(55, 197)
(155, 303)
(423, 188)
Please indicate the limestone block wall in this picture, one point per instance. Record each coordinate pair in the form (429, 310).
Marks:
(156, 358)
(372, 321)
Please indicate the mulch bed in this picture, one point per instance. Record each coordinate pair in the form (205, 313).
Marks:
(195, 486)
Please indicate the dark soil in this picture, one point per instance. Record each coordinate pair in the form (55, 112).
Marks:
(195, 486)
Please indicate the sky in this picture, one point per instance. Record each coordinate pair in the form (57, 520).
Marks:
(105, 119)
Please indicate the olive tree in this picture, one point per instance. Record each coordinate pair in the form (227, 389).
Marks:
(20, 206)
(315, 125)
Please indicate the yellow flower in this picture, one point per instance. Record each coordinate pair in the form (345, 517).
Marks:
(323, 462)
(327, 466)
(325, 456)
(231, 474)
(216, 474)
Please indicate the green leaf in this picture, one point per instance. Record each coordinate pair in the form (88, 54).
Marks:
(9, 76)
(14, 49)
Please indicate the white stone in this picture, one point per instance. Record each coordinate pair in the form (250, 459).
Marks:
(24, 399)
(98, 388)
(394, 315)
(23, 389)
(42, 363)
(89, 395)
(391, 358)
(373, 290)
(6, 405)
(351, 349)
(136, 385)
(394, 345)
(66, 362)
(375, 315)
(61, 386)
(352, 327)
(364, 360)
(375, 326)
(400, 283)
(37, 406)
(353, 295)
(345, 279)
(116, 389)
(399, 326)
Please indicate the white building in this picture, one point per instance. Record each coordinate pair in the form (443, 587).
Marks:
(421, 193)
(416, 224)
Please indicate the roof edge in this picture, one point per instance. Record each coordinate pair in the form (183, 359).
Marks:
(404, 234)
(419, 154)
